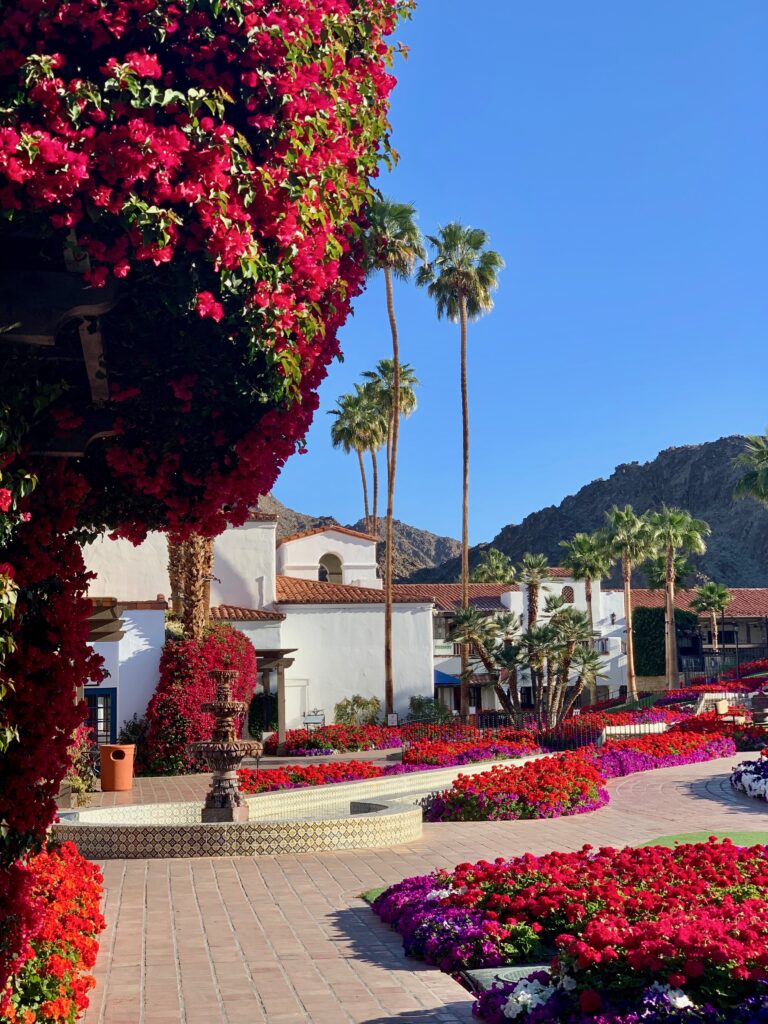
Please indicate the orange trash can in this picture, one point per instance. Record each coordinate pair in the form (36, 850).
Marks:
(116, 767)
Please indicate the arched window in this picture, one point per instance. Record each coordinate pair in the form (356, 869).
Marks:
(568, 595)
(329, 570)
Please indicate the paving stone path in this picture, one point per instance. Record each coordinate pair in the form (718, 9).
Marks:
(287, 940)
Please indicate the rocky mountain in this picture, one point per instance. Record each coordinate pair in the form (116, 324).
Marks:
(699, 478)
(415, 549)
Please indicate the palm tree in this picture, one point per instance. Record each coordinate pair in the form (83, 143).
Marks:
(393, 245)
(374, 432)
(587, 666)
(630, 540)
(675, 530)
(655, 570)
(588, 557)
(754, 458)
(460, 278)
(532, 572)
(711, 599)
(380, 383)
(494, 567)
(356, 427)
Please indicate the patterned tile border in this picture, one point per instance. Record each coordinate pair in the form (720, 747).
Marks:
(352, 815)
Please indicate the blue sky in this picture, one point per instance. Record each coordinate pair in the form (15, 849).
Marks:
(617, 154)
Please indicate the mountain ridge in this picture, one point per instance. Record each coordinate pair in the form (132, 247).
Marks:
(699, 478)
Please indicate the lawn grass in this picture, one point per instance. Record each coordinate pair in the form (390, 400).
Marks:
(740, 838)
(371, 894)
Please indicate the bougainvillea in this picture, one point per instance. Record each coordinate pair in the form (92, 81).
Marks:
(203, 170)
(52, 985)
(211, 162)
(691, 920)
(174, 716)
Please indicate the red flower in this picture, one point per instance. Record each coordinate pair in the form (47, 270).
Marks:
(590, 1001)
(207, 306)
(6, 499)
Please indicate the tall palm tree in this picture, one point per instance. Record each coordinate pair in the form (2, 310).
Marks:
(675, 530)
(754, 458)
(589, 558)
(381, 385)
(494, 567)
(374, 433)
(712, 599)
(351, 431)
(393, 245)
(631, 541)
(532, 572)
(460, 277)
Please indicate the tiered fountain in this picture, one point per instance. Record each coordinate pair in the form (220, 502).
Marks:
(224, 752)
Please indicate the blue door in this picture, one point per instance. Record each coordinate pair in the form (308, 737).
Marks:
(102, 713)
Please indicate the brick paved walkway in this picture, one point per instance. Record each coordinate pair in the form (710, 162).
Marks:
(286, 940)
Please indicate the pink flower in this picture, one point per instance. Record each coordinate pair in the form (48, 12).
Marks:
(207, 306)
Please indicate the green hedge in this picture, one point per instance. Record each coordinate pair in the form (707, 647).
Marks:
(648, 634)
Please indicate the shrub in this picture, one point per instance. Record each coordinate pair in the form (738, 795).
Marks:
(256, 726)
(648, 635)
(174, 718)
(357, 710)
(81, 774)
(427, 709)
(52, 984)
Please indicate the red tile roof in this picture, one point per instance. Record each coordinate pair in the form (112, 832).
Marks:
(233, 613)
(325, 529)
(447, 596)
(295, 591)
(746, 602)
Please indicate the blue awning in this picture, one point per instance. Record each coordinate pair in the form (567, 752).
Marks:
(444, 679)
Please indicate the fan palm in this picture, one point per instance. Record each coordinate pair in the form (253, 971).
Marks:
(588, 557)
(393, 244)
(460, 277)
(674, 530)
(494, 567)
(587, 665)
(754, 458)
(712, 599)
(357, 428)
(532, 572)
(631, 541)
(655, 570)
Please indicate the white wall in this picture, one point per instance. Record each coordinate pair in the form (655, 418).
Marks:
(340, 652)
(244, 567)
(265, 636)
(301, 557)
(134, 662)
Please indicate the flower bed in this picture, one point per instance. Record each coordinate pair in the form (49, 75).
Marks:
(570, 783)
(751, 777)
(681, 924)
(442, 753)
(547, 788)
(330, 738)
(52, 980)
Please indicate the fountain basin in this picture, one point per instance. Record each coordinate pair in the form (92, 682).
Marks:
(366, 814)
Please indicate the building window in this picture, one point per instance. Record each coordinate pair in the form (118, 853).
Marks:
(329, 570)
(613, 618)
(568, 595)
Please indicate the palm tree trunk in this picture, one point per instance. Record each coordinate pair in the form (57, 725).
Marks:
(365, 491)
(672, 674)
(175, 573)
(588, 595)
(715, 637)
(389, 680)
(626, 566)
(375, 510)
(464, 500)
(198, 565)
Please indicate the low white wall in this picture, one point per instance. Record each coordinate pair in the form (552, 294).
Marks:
(340, 652)
(140, 650)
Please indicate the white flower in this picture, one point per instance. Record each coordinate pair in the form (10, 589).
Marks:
(527, 995)
(568, 983)
(439, 894)
(675, 996)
